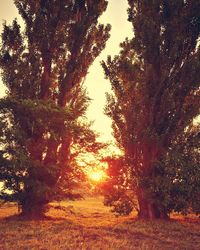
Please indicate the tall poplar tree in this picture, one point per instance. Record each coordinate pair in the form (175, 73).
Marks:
(156, 85)
(44, 67)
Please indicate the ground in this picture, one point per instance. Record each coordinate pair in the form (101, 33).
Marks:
(87, 224)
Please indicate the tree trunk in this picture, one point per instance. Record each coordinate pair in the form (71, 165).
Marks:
(148, 207)
(34, 204)
(33, 210)
(150, 210)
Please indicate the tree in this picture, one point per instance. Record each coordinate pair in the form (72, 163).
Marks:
(156, 91)
(44, 68)
(117, 190)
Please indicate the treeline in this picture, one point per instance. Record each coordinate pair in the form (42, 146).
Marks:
(156, 96)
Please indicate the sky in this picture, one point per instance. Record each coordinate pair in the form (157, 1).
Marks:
(97, 85)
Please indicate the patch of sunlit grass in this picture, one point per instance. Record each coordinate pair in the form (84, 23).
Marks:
(87, 224)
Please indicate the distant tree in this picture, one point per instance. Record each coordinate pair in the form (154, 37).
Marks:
(43, 68)
(156, 95)
(117, 189)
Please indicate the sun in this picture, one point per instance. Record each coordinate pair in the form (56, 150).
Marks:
(97, 175)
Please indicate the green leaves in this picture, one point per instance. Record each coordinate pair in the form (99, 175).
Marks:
(44, 68)
(156, 97)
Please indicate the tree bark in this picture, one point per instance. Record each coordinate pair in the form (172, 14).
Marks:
(149, 210)
(32, 209)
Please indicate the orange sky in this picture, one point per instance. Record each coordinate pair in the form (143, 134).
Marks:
(116, 15)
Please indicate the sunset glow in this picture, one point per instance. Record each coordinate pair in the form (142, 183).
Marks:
(97, 175)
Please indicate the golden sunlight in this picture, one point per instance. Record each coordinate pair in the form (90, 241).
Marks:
(97, 175)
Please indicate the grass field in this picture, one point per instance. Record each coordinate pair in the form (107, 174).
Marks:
(87, 224)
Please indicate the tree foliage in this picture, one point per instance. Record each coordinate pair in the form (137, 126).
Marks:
(118, 190)
(156, 95)
(43, 68)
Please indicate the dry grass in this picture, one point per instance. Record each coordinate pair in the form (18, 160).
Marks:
(87, 224)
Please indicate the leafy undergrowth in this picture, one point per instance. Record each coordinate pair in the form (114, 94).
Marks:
(87, 224)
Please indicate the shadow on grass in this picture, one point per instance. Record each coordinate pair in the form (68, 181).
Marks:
(20, 217)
